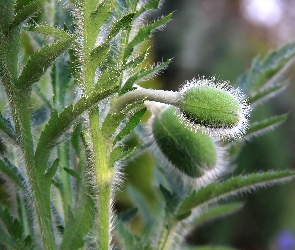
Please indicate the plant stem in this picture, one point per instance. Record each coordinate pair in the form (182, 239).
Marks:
(167, 235)
(168, 97)
(40, 187)
(103, 175)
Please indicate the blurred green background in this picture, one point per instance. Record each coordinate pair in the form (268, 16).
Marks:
(220, 38)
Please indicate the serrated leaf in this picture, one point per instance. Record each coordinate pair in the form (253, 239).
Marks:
(7, 127)
(12, 225)
(125, 236)
(240, 184)
(113, 120)
(79, 222)
(266, 94)
(145, 33)
(123, 24)
(6, 240)
(152, 4)
(49, 30)
(99, 53)
(73, 173)
(264, 69)
(259, 128)
(135, 61)
(141, 203)
(26, 12)
(52, 170)
(118, 153)
(143, 75)
(128, 215)
(98, 17)
(131, 124)
(40, 61)
(12, 172)
(171, 200)
(58, 124)
(216, 212)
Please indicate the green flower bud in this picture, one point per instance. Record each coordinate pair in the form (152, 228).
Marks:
(216, 108)
(192, 153)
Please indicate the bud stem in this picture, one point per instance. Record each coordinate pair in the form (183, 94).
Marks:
(164, 96)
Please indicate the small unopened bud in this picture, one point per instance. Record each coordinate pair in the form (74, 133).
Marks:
(192, 153)
(217, 108)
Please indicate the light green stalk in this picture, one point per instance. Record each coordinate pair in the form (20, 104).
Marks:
(103, 172)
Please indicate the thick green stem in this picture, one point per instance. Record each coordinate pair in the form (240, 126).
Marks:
(40, 186)
(168, 97)
(103, 175)
(167, 235)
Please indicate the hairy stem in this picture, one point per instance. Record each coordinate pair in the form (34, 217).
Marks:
(167, 235)
(103, 175)
(168, 97)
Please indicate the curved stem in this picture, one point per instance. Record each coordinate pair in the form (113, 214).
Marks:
(167, 236)
(164, 96)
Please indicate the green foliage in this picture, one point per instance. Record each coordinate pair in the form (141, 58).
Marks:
(65, 168)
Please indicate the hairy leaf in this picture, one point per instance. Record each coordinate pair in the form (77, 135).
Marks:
(216, 212)
(265, 94)
(7, 127)
(27, 11)
(121, 24)
(49, 30)
(259, 128)
(143, 75)
(218, 191)
(264, 69)
(145, 33)
(12, 172)
(131, 124)
(40, 61)
(58, 124)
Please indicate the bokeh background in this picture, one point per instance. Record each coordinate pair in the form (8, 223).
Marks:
(220, 38)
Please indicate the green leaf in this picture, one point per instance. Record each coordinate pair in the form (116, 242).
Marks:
(52, 170)
(126, 238)
(7, 241)
(12, 173)
(217, 212)
(131, 124)
(40, 61)
(265, 94)
(98, 54)
(240, 184)
(171, 200)
(7, 127)
(113, 120)
(26, 12)
(98, 17)
(49, 30)
(141, 203)
(79, 222)
(135, 61)
(128, 215)
(58, 124)
(145, 33)
(123, 24)
(264, 69)
(143, 75)
(259, 128)
(118, 153)
(12, 225)
(73, 173)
